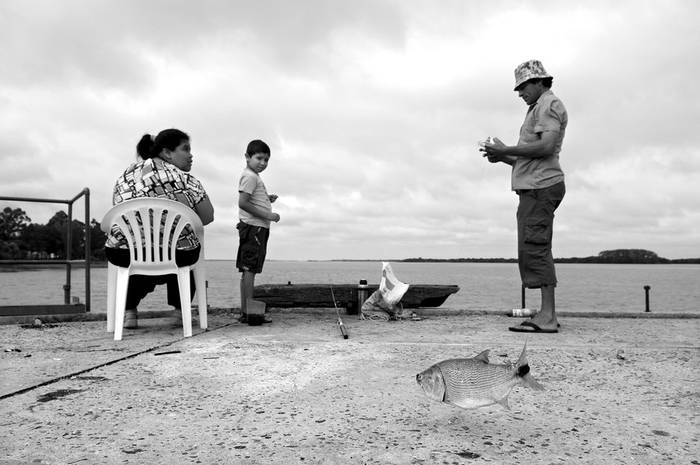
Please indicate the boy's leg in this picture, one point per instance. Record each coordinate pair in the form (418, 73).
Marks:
(247, 286)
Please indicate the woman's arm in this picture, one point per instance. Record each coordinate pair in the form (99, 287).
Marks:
(205, 211)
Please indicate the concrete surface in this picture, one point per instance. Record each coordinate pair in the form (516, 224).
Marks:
(294, 392)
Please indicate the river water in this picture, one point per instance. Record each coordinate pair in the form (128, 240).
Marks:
(483, 286)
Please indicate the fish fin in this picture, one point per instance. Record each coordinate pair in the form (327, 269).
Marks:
(483, 356)
(531, 382)
(504, 402)
(522, 360)
(522, 370)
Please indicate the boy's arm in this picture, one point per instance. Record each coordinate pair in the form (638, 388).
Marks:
(244, 203)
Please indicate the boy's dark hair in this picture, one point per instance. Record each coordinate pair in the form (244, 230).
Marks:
(257, 146)
(149, 147)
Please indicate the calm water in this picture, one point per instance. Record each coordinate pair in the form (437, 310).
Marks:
(483, 286)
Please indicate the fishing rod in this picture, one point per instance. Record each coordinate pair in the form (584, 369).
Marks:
(343, 330)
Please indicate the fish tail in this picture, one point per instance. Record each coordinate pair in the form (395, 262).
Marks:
(531, 382)
(522, 370)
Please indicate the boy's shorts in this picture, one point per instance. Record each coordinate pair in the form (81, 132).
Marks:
(252, 247)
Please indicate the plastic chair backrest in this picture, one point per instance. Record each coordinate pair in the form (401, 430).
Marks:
(140, 222)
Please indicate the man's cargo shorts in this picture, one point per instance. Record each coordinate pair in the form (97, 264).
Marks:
(535, 223)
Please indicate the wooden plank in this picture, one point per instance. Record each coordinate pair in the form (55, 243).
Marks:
(16, 310)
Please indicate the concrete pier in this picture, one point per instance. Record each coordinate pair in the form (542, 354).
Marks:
(618, 390)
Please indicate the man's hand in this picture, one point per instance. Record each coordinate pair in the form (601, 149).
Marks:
(272, 197)
(274, 217)
(495, 150)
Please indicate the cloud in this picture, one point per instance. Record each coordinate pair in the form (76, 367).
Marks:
(373, 110)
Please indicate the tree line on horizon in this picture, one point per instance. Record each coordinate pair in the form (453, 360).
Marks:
(618, 256)
(20, 239)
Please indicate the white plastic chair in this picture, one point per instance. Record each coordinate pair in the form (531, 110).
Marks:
(134, 217)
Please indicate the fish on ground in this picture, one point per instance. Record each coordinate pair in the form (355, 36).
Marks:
(471, 383)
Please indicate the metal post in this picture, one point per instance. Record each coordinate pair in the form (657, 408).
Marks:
(522, 296)
(646, 295)
(69, 243)
(362, 291)
(88, 250)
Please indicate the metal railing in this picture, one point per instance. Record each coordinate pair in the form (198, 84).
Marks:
(68, 262)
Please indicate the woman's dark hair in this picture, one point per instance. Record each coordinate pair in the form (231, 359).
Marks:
(257, 146)
(149, 147)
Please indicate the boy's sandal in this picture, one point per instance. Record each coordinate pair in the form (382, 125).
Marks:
(267, 318)
(243, 318)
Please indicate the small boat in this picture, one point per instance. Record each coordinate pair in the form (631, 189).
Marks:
(319, 295)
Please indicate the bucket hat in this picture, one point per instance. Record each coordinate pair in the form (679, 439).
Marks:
(531, 69)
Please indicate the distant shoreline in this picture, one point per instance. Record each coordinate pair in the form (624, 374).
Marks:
(592, 261)
(585, 260)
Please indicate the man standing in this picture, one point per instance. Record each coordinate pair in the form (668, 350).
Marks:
(538, 180)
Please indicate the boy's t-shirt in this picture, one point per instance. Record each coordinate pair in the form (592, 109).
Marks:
(252, 184)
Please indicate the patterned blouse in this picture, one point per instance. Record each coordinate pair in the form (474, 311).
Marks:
(157, 178)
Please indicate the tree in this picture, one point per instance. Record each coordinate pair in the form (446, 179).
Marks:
(42, 239)
(28, 240)
(97, 241)
(629, 256)
(12, 223)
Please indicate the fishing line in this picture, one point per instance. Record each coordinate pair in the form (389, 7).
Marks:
(343, 330)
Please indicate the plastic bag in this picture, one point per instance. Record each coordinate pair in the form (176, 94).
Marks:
(385, 302)
(391, 288)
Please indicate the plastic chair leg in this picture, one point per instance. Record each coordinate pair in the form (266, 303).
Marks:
(200, 280)
(111, 295)
(120, 301)
(183, 283)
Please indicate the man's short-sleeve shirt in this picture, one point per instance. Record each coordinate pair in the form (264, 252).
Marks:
(157, 178)
(252, 184)
(547, 114)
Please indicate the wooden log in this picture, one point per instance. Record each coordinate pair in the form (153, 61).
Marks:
(319, 295)
(15, 310)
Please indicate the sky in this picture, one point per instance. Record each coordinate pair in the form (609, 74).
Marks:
(372, 109)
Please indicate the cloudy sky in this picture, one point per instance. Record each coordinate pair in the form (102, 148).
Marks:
(373, 110)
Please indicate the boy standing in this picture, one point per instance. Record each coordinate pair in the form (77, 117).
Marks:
(255, 214)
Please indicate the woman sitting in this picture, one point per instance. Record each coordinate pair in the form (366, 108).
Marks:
(163, 171)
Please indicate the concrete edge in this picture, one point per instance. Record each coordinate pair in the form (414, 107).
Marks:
(78, 317)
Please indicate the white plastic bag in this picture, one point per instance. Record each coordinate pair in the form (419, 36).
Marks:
(391, 288)
(385, 302)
